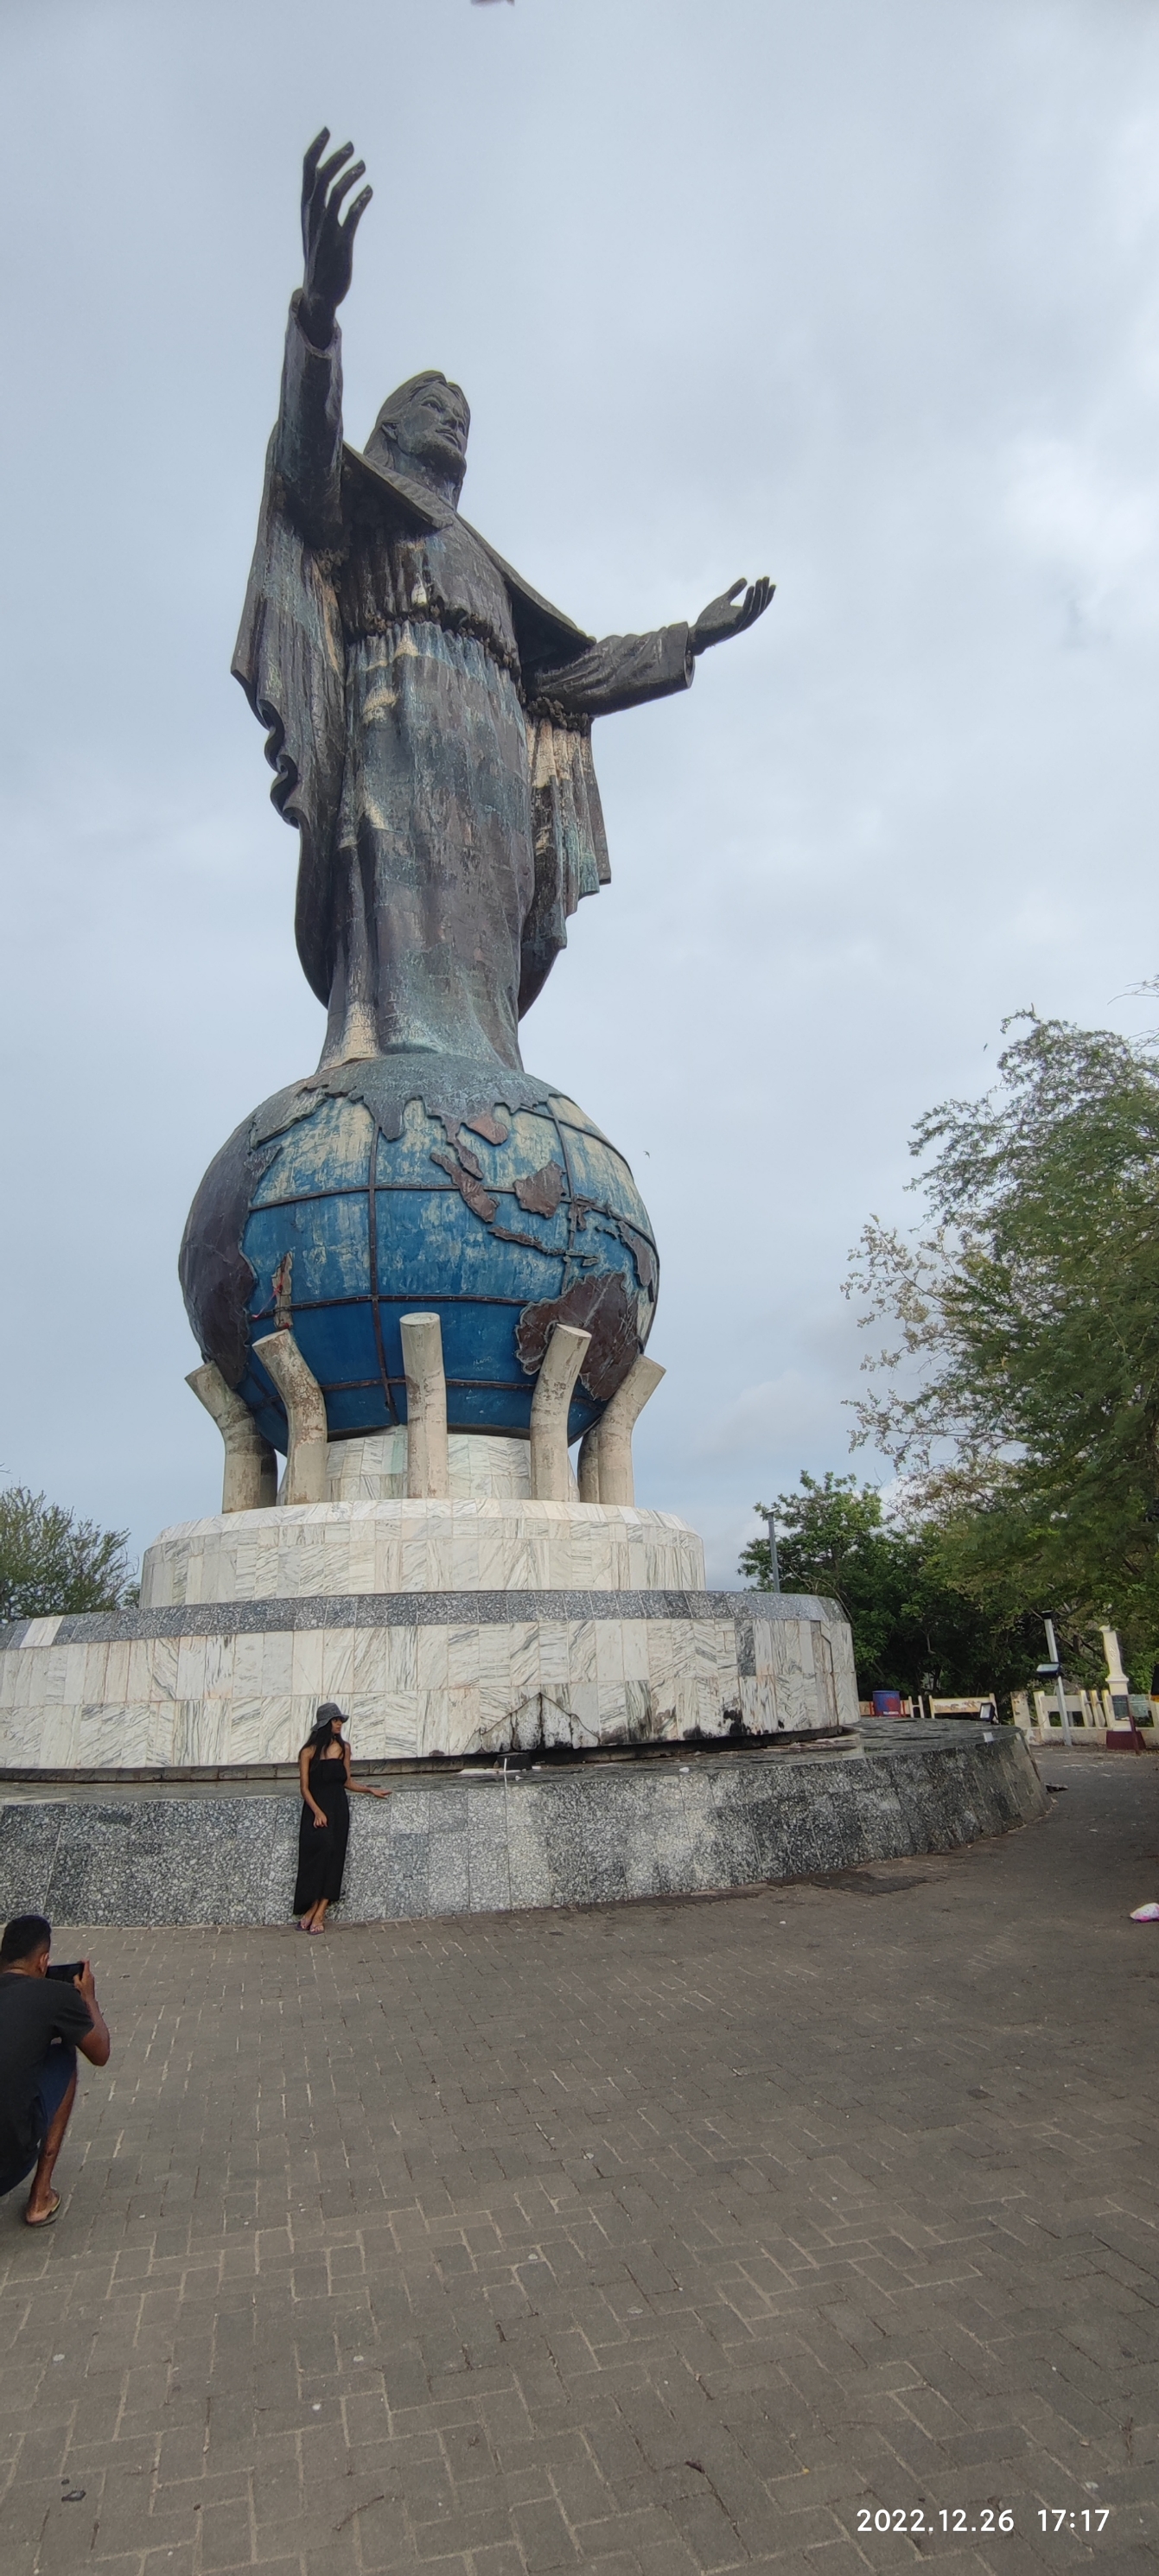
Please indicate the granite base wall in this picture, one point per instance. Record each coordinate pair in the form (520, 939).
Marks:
(596, 1834)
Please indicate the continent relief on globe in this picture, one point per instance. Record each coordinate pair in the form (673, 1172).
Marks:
(373, 1190)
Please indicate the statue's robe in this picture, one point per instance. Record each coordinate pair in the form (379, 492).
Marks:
(429, 719)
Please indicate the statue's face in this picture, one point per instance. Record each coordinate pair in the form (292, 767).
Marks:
(434, 427)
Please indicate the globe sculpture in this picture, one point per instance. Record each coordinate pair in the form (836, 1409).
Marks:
(489, 1200)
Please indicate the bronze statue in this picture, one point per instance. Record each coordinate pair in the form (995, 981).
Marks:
(429, 715)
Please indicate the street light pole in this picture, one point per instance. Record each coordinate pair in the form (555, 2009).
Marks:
(774, 1567)
(1059, 1684)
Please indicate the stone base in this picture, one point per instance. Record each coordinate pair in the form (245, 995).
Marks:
(420, 1674)
(460, 1544)
(594, 1834)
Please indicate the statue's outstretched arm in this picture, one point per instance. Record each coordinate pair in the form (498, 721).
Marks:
(730, 615)
(308, 453)
(630, 670)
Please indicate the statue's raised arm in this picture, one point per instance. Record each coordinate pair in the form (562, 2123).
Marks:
(308, 446)
(327, 241)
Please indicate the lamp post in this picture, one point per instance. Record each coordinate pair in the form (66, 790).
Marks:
(774, 1566)
(1053, 1671)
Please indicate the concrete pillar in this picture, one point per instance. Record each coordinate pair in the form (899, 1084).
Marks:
(305, 1479)
(605, 1461)
(427, 1471)
(250, 1478)
(559, 1369)
(1117, 1692)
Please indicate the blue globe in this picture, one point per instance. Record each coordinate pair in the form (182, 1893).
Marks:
(424, 1183)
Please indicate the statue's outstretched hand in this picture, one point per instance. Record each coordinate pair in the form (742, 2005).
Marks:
(328, 243)
(725, 616)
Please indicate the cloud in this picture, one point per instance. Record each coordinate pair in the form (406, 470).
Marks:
(763, 1418)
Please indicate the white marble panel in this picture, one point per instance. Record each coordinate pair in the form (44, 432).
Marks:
(583, 1700)
(278, 1662)
(285, 1742)
(175, 1667)
(55, 1668)
(161, 1577)
(337, 1662)
(248, 1729)
(581, 1650)
(400, 1726)
(463, 1718)
(463, 1655)
(62, 1739)
(41, 1632)
(554, 1654)
(220, 1657)
(367, 1725)
(88, 1674)
(151, 1735)
(609, 1639)
(525, 1666)
(308, 1652)
(431, 1659)
(430, 1722)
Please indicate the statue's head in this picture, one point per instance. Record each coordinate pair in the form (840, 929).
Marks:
(422, 429)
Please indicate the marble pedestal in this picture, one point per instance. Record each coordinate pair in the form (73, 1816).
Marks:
(471, 1625)
(666, 1738)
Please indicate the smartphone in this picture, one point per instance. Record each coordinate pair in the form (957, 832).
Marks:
(68, 1970)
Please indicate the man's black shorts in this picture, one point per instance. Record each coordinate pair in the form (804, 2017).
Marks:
(52, 2084)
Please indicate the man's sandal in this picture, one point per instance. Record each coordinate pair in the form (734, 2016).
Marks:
(49, 2214)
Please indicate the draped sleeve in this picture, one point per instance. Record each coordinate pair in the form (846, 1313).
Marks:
(290, 653)
(571, 847)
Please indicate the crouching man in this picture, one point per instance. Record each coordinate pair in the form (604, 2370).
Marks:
(46, 2014)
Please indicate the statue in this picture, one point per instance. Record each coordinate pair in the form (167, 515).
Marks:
(429, 714)
(429, 722)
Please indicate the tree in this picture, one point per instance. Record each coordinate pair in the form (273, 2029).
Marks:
(1020, 1396)
(913, 1629)
(51, 1561)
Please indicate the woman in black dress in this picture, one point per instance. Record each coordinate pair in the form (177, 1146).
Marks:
(324, 1773)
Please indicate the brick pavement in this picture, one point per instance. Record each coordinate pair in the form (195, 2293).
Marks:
(643, 2242)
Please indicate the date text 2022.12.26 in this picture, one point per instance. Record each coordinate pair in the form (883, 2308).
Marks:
(1089, 2519)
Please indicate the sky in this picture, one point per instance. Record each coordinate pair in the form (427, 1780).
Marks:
(863, 296)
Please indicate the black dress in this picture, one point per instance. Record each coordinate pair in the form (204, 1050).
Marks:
(322, 1848)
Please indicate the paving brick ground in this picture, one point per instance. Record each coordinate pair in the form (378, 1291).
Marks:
(666, 2239)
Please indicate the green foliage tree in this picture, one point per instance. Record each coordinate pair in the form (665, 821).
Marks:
(1019, 1393)
(913, 1629)
(50, 1561)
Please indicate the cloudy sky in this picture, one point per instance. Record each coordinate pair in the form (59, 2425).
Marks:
(864, 293)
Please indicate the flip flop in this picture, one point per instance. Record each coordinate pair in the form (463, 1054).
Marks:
(315, 1927)
(49, 2214)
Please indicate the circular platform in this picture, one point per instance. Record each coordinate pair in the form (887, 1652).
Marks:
(592, 1832)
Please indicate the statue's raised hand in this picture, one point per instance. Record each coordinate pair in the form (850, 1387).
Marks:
(328, 243)
(728, 615)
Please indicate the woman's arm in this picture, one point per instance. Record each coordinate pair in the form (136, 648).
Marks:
(304, 1784)
(360, 1788)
